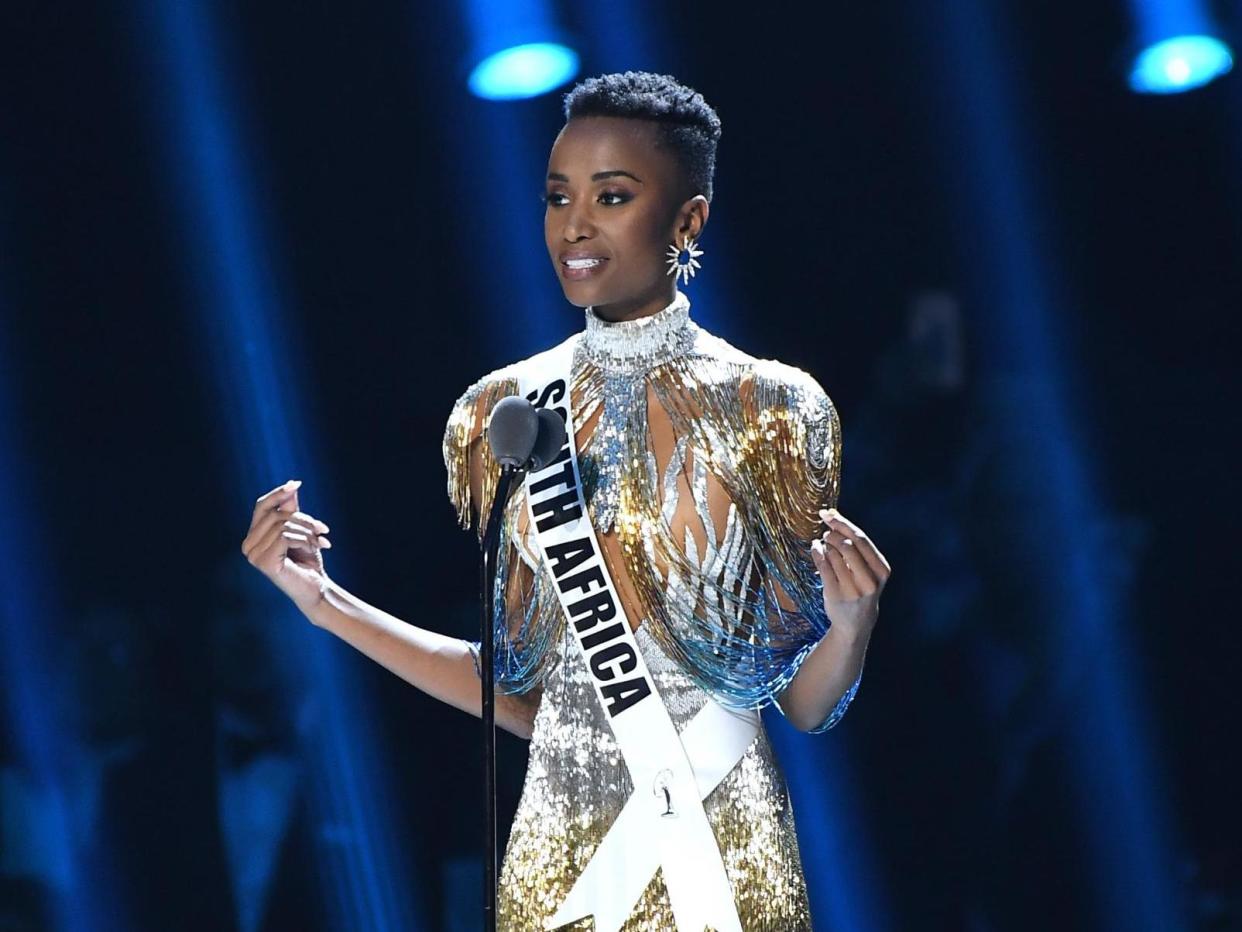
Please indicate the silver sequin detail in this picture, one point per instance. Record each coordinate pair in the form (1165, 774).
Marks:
(634, 347)
(624, 395)
(625, 351)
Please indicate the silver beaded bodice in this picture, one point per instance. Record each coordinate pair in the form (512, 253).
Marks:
(742, 606)
(624, 351)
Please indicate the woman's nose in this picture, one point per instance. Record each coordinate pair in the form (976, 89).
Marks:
(577, 224)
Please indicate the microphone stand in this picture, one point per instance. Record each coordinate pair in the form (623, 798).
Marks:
(487, 581)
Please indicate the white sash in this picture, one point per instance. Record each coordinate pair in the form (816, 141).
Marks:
(663, 823)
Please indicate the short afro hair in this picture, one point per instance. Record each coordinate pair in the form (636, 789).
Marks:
(687, 125)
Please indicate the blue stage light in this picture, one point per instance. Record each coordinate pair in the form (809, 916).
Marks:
(526, 70)
(1028, 363)
(1179, 64)
(239, 302)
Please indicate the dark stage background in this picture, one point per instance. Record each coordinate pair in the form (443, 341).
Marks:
(1018, 281)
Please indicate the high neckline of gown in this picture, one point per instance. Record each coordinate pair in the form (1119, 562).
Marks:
(632, 346)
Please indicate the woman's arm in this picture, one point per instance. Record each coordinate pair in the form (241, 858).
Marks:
(439, 665)
(854, 572)
(829, 671)
(287, 545)
(797, 469)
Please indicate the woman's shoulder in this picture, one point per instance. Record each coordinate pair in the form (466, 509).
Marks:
(475, 402)
(504, 380)
(764, 384)
(789, 447)
(468, 460)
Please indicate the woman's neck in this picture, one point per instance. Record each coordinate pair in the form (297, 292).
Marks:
(634, 346)
(645, 306)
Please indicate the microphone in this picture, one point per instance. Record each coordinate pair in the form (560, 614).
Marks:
(522, 437)
(550, 439)
(512, 431)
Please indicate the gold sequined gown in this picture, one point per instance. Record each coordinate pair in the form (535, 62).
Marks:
(704, 469)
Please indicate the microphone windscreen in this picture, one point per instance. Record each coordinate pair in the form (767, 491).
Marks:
(512, 430)
(550, 439)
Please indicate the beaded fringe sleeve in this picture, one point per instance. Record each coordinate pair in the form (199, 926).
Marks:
(770, 435)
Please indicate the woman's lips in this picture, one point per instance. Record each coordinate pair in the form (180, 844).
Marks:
(579, 269)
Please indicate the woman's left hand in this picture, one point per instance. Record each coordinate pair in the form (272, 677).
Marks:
(854, 573)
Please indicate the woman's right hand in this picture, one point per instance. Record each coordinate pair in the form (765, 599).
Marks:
(284, 544)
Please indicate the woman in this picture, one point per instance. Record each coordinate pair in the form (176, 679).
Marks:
(709, 476)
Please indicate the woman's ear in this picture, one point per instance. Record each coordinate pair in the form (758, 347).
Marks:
(692, 218)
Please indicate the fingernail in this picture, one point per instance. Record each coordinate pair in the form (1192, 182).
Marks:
(293, 483)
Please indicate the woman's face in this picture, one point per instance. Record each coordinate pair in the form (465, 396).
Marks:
(614, 206)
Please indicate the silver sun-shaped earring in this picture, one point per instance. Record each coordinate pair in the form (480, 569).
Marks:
(685, 269)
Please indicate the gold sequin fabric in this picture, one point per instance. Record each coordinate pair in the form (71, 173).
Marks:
(729, 607)
(576, 784)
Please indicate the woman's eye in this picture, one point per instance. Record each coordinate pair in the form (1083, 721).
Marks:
(607, 198)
